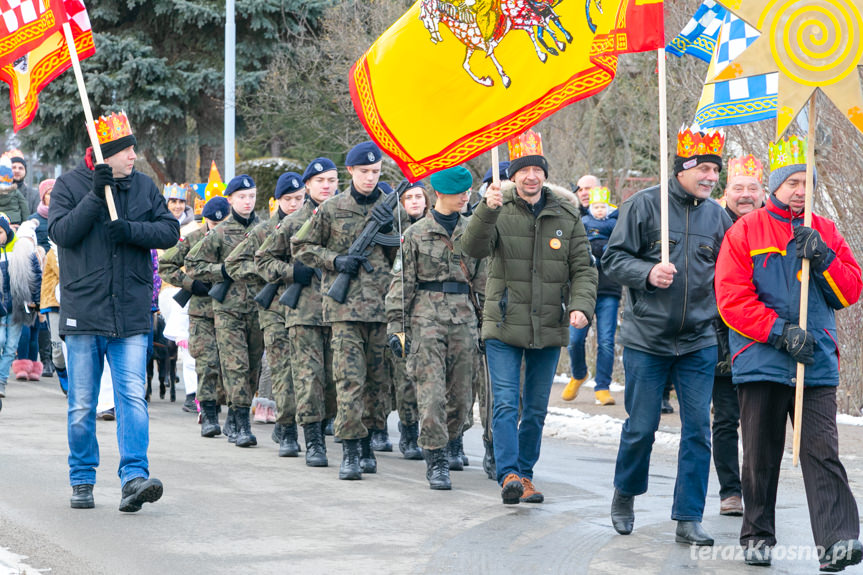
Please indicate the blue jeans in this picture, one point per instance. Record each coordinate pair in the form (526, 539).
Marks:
(9, 335)
(28, 342)
(646, 375)
(517, 443)
(605, 320)
(85, 361)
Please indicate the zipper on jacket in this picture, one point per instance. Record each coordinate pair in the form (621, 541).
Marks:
(685, 279)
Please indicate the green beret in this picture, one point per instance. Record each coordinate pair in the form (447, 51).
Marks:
(452, 181)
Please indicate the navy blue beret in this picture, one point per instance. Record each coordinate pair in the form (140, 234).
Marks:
(239, 183)
(364, 154)
(217, 209)
(417, 184)
(502, 166)
(288, 183)
(318, 166)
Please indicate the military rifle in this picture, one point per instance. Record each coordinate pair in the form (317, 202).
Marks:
(291, 297)
(367, 239)
(220, 290)
(182, 297)
(267, 293)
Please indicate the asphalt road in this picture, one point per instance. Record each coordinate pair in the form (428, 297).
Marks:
(235, 511)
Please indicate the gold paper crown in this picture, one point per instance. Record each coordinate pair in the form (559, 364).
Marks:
(746, 166)
(199, 205)
(527, 144)
(174, 192)
(694, 142)
(113, 127)
(787, 152)
(600, 196)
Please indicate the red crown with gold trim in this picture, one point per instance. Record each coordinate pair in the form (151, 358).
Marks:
(527, 144)
(693, 142)
(746, 166)
(113, 127)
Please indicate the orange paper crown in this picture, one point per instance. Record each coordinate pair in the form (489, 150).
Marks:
(694, 142)
(113, 127)
(746, 166)
(527, 144)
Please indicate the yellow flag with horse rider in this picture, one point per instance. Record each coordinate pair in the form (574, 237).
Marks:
(453, 78)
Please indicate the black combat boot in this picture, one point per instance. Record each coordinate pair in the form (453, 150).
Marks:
(437, 469)
(381, 440)
(316, 447)
(350, 467)
(408, 441)
(276, 436)
(328, 426)
(245, 438)
(368, 463)
(455, 453)
(189, 403)
(47, 367)
(210, 419)
(231, 425)
(488, 464)
(288, 446)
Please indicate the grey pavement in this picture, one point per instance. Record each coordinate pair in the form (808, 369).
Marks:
(234, 511)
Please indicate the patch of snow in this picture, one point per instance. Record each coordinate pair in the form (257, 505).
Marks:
(12, 564)
(568, 423)
(845, 419)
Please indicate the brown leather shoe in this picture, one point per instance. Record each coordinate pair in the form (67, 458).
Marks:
(511, 490)
(531, 494)
(731, 506)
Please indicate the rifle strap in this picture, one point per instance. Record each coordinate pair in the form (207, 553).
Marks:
(474, 300)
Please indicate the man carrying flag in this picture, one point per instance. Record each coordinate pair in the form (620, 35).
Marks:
(106, 294)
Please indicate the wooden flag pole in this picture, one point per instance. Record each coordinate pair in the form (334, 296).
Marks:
(804, 280)
(495, 167)
(663, 157)
(88, 114)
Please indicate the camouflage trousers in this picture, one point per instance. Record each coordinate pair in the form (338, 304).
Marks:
(279, 360)
(202, 347)
(442, 362)
(403, 390)
(241, 346)
(361, 377)
(312, 368)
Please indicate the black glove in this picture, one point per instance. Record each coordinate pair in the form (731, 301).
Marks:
(303, 274)
(810, 245)
(200, 288)
(384, 216)
(348, 264)
(798, 342)
(103, 176)
(395, 344)
(225, 275)
(119, 231)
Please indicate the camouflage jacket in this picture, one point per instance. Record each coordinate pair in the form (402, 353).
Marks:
(240, 265)
(428, 258)
(274, 262)
(171, 270)
(329, 233)
(204, 262)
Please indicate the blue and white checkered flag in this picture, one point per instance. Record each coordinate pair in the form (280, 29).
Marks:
(741, 100)
(698, 37)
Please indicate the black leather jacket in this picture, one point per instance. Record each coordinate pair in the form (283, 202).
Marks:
(679, 319)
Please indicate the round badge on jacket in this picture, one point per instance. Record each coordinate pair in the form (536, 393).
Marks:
(554, 243)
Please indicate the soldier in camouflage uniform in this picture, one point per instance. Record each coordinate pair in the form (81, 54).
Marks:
(309, 337)
(238, 335)
(358, 324)
(436, 281)
(240, 265)
(202, 328)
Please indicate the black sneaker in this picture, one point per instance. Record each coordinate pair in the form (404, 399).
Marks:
(841, 554)
(82, 497)
(139, 491)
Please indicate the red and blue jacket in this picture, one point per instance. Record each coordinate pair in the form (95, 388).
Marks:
(758, 291)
